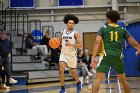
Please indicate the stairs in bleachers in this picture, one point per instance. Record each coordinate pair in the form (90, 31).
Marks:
(34, 70)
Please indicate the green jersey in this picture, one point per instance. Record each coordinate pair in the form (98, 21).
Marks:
(113, 37)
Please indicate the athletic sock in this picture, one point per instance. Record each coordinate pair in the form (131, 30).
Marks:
(62, 87)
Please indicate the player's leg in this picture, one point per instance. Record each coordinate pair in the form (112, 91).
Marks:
(97, 82)
(102, 68)
(74, 73)
(119, 68)
(72, 64)
(124, 83)
(62, 67)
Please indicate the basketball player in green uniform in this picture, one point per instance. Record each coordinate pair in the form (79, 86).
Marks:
(112, 36)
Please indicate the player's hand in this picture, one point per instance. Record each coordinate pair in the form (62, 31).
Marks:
(94, 63)
(136, 53)
(81, 62)
(68, 43)
(2, 68)
(9, 55)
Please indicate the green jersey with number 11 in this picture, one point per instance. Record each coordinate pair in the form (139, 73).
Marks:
(113, 36)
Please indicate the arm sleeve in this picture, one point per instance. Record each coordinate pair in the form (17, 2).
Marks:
(42, 41)
(100, 31)
(126, 35)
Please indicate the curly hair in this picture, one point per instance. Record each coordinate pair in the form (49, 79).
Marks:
(68, 17)
(113, 15)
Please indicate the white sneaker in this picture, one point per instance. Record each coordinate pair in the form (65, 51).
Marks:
(4, 86)
(13, 81)
(90, 74)
(94, 71)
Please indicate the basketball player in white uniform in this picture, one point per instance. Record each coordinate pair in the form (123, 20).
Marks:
(70, 40)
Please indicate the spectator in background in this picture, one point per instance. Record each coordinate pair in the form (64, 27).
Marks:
(45, 40)
(3, 74)
(82, 65)
(43, 48)
(87, 60)
(29, 41)
(5, 53)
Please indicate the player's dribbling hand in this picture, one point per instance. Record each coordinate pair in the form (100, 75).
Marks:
(68, 43)
(94, 63)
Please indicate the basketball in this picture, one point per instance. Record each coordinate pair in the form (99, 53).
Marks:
(54, 43)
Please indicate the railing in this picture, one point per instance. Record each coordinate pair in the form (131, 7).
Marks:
(10, 17)
(1, 11)
(23, 38)
(22, 23)
(35, 25)
(48, 28)
(22, 27)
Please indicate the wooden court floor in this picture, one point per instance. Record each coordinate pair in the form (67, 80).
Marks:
(107, 86)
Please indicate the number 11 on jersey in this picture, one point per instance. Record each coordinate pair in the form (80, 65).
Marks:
(114, 36)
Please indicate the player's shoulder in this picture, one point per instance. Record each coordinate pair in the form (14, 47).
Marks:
(62, 31)
(76, 31)
(103, 27)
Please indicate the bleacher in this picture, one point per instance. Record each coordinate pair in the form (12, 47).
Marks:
(25, 67)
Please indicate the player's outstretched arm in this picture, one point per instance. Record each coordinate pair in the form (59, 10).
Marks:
(134, 43)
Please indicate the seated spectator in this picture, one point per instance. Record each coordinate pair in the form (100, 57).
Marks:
(29, 41)
(82, 65)
(5, 53)
(43, 48)
(45, 40)
(87, 60)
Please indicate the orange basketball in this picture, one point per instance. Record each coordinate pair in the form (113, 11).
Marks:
(54, 42)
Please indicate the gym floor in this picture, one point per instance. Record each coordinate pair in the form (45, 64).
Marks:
(107, 86)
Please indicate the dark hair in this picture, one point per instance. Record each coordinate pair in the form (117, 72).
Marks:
(47, 32)
(113, 15)
(29, 36)
(68, 17)
(79, 52)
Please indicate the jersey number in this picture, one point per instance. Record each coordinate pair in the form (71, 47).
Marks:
(114, 36)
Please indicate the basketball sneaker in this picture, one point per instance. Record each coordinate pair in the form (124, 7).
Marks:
(79, 87)
(12, 81)
(62, 90)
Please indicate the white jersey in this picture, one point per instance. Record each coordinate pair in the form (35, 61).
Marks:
(68, 36)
